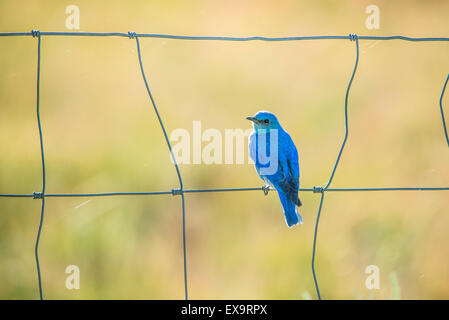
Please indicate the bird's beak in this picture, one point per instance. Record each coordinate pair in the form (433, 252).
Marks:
(253, 119)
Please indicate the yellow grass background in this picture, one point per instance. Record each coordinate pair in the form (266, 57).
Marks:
(101, 135)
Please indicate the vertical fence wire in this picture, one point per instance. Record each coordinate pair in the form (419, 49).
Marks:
(174, 191)
(352, 37)
(41, 195)
(442, 112)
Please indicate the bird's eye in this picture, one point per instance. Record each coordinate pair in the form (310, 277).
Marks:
(266, 121)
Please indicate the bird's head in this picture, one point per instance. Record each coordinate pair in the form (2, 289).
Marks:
(264, 120)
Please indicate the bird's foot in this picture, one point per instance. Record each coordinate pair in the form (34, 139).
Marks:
(266, 189)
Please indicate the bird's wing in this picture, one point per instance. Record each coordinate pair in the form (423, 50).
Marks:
(289, 168)
(288, 183)
(293, 162)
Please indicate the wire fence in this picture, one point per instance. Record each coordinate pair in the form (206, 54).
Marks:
(180, 191)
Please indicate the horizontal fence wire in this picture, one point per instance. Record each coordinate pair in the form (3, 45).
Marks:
(181, 191)
(174, 191)
(218, 38)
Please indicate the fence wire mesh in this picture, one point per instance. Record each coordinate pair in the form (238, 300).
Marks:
(180, 191)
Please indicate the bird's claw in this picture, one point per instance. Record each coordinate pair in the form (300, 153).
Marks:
(265, 189)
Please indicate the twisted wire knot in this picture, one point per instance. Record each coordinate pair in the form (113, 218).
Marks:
(266, 189)
(353, 37)
(131, 34)
(35, 33)
(176, 192)
(318, 189)
(38, 195)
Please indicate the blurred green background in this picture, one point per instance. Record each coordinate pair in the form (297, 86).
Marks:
(101, 135)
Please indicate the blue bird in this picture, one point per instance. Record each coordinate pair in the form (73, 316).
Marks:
(276, 161)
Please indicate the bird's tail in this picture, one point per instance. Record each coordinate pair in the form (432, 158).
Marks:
(292, 217)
